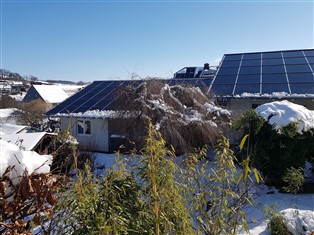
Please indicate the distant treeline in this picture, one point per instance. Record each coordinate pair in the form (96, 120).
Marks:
(13, 76)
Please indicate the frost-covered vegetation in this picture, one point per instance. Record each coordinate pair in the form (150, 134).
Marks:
(185, 115)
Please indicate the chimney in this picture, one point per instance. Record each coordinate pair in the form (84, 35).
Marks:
(206, 66)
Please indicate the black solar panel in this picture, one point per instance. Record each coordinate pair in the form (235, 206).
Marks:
(269, 88)
(302, 88)
(250, 88)
(265, 72)
(248, 79)
(301, 77)
(102, 95)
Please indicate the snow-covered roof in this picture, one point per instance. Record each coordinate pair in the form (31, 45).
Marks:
(101, 114)
(282, 113)
(18, 97)
(277, 95)
(7, 129)
(26, 141)
(22, 136)
(56, 93)
(5, 113)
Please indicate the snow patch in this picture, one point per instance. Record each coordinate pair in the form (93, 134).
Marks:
(282, 113)
(299, 222)
(32, 162)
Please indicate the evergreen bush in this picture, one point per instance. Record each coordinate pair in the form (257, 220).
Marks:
(274, 151)
(293, 180)
(278, 226)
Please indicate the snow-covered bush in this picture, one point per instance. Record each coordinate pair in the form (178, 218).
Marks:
(26, 188)
(281, 136)
(185, 115)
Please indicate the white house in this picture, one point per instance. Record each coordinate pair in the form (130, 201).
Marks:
(51, 94)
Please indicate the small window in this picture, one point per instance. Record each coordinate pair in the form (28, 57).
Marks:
(84, 127)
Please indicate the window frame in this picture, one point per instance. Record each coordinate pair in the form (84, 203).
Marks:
(81, 130)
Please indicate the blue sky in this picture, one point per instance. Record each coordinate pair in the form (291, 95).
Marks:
(99, 40)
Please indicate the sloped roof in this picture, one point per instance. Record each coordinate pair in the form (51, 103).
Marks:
(6, 128)
(5, 115)
(26, 141)
(290, 72)
(22, 136)
(101, 95)
(56, 93)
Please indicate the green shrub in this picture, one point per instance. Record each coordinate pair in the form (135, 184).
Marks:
(274, 151)
(277, 225)
(293, 180)
(156, 196)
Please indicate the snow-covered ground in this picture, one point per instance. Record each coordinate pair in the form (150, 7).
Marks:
(297, 209)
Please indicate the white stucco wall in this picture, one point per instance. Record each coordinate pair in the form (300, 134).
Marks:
(98, 140)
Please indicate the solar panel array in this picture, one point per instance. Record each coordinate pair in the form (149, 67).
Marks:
(102, 95)
(265, 73)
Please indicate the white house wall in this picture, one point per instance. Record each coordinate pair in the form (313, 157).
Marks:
(98, 140)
